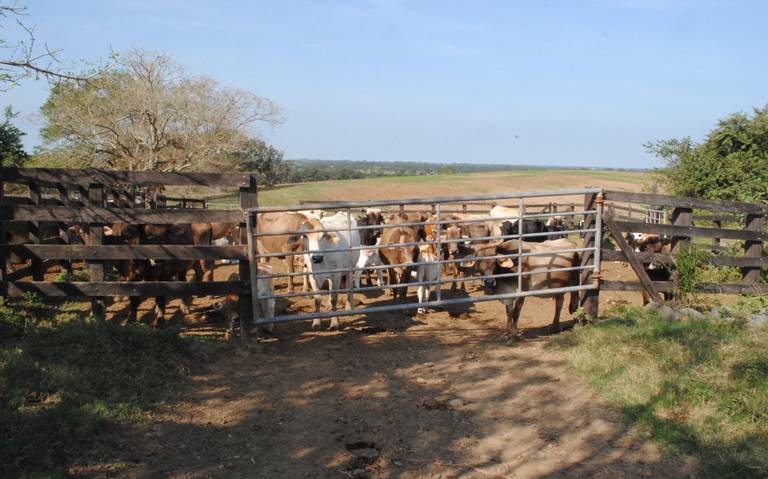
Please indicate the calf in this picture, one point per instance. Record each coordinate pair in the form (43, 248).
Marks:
(287, 243)
(368, 258)
(266, 305)
(398, 250)
(540, 279)
(656, 270)
(427, 269)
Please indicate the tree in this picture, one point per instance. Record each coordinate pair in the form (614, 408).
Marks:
(267, 161)
(25, 58)
(11, 148)
(146, 114)
(730, 164)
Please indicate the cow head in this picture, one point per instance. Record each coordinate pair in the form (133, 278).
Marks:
(315, 239)
(482, 262)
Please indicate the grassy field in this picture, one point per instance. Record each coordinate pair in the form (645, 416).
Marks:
(697, 388)
(447, 185)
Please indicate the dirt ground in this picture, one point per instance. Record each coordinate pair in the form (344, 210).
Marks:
(393, 395)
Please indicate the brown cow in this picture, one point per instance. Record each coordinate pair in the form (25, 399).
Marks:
(402, 257)
(279, 223)
(539, 280)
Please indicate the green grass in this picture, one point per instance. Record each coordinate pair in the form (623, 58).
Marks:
(696, 388)
(68, 382)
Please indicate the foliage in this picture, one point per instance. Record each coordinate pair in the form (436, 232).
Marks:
(147, 114)
(730, 164)
(688, 265)
(11, 148)
(267, 161)
(66, 383)
(695, 387)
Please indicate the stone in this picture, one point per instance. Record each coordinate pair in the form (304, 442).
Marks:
(666, 313)
(692, 314)
(757, 321)
(652, 306)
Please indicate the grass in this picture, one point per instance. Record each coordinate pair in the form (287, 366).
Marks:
(453, 184)
(696, 388)
(68, 383)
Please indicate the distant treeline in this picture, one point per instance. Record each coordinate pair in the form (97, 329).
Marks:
(304, 170)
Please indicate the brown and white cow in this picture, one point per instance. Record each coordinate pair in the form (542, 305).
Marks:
(398, 249)
(274, 224)
(540, 279)
(656, 270)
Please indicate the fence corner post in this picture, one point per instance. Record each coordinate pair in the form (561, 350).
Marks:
(248, 199)
(96, 237)
(3, 256)
(590, 298)
(753, 249)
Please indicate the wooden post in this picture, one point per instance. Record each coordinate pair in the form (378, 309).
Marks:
(96, 237)
(681, 217)
(64, 198)
(719, 225)
(38, 269)
(753, 249)
(590, 299)
(248, 199)
(3, 258)
(629, 254)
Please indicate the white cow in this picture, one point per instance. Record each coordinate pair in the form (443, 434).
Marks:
(367, 259)
(427, 269)
(328, 251)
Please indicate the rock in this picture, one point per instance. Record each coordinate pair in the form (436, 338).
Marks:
(757, 321)
(368, 454)
(652, 306)
(714, 313)
(456, 402)
(692, 314)
(666, 313)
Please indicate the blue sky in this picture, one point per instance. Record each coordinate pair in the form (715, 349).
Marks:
(529, 82)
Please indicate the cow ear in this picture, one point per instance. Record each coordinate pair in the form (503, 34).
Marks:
(468, 262)
(508, 263)
(331, 237)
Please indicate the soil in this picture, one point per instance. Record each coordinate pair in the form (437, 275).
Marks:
(394, 395)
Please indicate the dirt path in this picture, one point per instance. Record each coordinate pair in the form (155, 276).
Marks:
(399, 396)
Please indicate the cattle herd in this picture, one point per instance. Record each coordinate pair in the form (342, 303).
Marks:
(415, 249)
(333, 253)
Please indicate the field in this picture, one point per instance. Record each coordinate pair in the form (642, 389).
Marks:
(448, 185)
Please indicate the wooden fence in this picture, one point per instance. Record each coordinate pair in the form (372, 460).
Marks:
(688, 219)
(81, 197)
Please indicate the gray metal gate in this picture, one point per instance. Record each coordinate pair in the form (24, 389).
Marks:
(437, 213)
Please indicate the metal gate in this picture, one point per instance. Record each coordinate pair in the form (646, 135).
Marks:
(581, 220)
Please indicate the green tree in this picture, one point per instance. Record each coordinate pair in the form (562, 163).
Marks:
(730, 164)
(266, 160)
(11, 148)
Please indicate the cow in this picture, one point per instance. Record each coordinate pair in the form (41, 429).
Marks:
(370, 217)
(399, 256)
(288, 243)
(530, 226)
(266, 305)
(327, 252)
(427, 269)
(540, 279)
(367, 259)
(656, 270)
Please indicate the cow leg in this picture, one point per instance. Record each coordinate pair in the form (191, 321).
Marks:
(291, 269)
(559, 299)
(350, 297)
(316, 323)
(334, 302)
(208, 269)
(392, 282)
(199, 273)
(574, 304)
(160, 310)
(379, 278)
(268, 310)
(133, 308)
(422, 293)
(513, 314)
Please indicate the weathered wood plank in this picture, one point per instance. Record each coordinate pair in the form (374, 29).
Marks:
(730, 261)
(753, 249)
(590, 299)
(640, 272)
(102, 215)
(96, 253)
(144, 288)
(669, 286)
(247, 306)
(672, 230)
(86, 176)
(684, 202)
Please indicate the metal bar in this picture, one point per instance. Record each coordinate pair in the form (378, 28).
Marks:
(439, 251)
(428, 304)
(423, 201)
(352, 264)
(418, 283)
(520, 233)
(442, 261)
(598, 236)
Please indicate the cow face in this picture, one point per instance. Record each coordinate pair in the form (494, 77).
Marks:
(315, 240)
(480, 264)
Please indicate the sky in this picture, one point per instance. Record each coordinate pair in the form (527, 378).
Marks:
(560, 83)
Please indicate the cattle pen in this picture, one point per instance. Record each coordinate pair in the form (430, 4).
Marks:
(38, 205)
